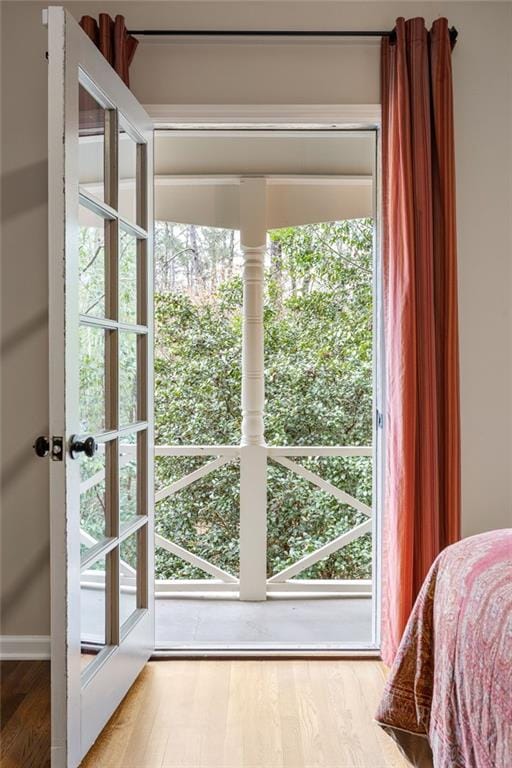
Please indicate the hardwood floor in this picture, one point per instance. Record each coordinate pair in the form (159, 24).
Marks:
(215, 714)
(249, 714)
(25, 714)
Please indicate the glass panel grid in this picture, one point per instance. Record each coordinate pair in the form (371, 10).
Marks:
(117, 290)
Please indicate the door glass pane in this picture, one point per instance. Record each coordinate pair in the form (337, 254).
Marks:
(92, 379)
(91, 263)
(128, 573)
(127, 477)
(127, 175)
(93, 603)
(91, 145)
(127, 278)
(127, 378)
(92, 499)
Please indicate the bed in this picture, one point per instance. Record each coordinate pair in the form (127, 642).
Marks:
(448, 699)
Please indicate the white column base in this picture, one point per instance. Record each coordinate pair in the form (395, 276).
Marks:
(253, 522)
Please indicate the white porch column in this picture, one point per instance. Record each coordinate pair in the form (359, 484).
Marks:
(253, 452)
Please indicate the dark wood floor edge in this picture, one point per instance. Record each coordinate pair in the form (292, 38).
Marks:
(25, 734)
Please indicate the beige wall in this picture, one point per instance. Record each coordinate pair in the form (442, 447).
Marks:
(254, 73)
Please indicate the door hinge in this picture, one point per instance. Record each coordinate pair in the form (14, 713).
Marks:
(379, 419)
(44, 447)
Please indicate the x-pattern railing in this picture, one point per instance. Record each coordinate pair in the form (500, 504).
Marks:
(221, 455)
(224, 455)
(281, 455)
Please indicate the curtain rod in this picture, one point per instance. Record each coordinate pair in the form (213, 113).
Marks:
(271, 33)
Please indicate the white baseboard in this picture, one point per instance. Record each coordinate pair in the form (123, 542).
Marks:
(24, 647)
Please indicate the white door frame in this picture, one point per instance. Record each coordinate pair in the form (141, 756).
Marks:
(268, 116)
(308, 117)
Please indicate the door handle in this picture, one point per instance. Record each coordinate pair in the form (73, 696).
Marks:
(80, 444)
(42, 446)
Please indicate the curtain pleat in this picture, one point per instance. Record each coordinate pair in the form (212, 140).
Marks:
(113, 40)
(422, 477)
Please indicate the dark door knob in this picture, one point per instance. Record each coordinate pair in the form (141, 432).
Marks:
(42, 446)
(80, 444)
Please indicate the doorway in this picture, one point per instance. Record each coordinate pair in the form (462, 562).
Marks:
(266, 454)
(100, 442)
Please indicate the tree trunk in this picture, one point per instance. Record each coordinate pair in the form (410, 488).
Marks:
(231, 254)
(276, 267)
(195, 261)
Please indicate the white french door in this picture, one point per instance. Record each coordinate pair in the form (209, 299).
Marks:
(101, 435)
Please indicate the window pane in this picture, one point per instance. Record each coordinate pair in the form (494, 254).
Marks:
(92, 379)
(91, 263)
(128, 575)
(127, 278)
(93, 605)
(127, 477)
(91, 145)
(127, 175)
(127, 378)
(92, 499)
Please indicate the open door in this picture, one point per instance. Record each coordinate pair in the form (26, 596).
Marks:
(101, 434)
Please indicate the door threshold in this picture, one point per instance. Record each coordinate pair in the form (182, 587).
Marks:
(266, 652)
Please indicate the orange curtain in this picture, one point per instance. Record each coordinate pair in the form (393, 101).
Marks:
(422, 477)
(113, 40)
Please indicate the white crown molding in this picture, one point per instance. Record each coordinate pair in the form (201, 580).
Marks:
(24, 647)
(346, 116)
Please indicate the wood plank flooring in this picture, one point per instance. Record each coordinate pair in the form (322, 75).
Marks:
(249, 714)
(215, 714)
(25, 714)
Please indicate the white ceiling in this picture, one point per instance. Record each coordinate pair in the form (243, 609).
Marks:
(264, 153)
(312, 176)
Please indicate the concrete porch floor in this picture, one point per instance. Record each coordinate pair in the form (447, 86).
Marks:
(217, 622)
(278, 621)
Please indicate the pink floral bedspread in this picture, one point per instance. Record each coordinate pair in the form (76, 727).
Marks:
(452, 678)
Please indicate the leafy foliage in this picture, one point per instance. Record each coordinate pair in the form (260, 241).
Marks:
(318, 373)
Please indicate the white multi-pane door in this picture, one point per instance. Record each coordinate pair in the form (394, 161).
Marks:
(101, 437)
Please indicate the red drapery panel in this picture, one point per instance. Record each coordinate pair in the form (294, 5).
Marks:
(422, 478)
(114, 42)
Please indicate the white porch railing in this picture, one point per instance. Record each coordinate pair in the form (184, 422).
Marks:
(283, 581)
(221, 581)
